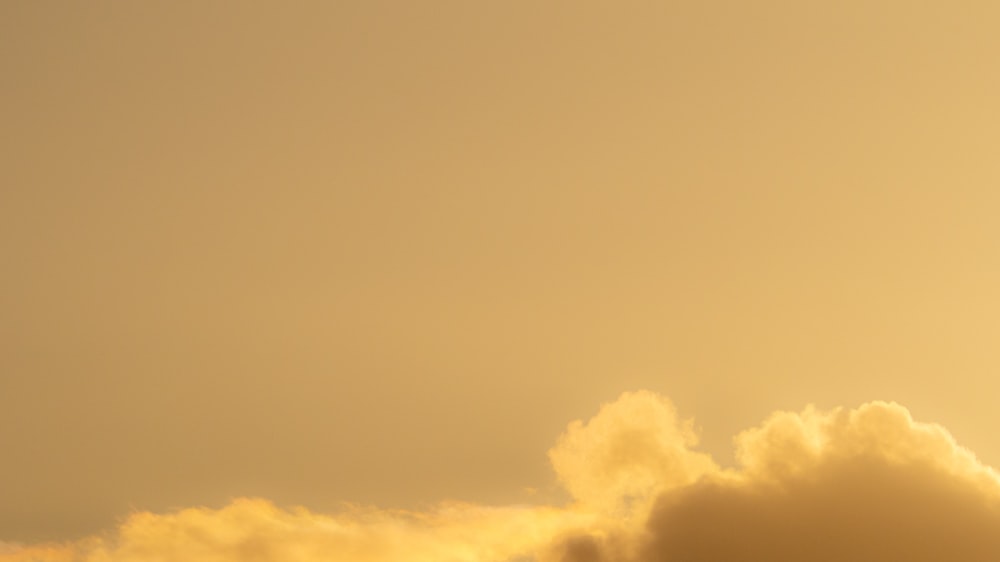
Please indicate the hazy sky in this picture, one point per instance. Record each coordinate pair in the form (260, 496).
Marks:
(383, 252)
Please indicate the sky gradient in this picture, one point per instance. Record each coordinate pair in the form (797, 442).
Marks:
(382, 252)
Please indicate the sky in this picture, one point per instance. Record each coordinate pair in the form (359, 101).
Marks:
(334, 279)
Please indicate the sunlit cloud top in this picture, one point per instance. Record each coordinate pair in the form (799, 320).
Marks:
(862, 484)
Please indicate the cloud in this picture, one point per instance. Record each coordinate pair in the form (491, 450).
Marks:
(869, 484)
(630, 451)
(863, 484)
(256, 530)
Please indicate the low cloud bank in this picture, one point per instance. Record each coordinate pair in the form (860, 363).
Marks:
(869, 484)
(863, 485)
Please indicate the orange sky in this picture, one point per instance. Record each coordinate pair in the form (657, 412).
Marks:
(383, 252)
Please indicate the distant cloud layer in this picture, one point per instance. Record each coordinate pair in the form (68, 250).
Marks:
(869, 484)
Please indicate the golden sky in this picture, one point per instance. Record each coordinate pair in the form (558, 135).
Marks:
(262, 259)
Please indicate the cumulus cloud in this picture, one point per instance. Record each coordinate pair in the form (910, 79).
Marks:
(860, 485)
(630, 451)
(869, 484)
